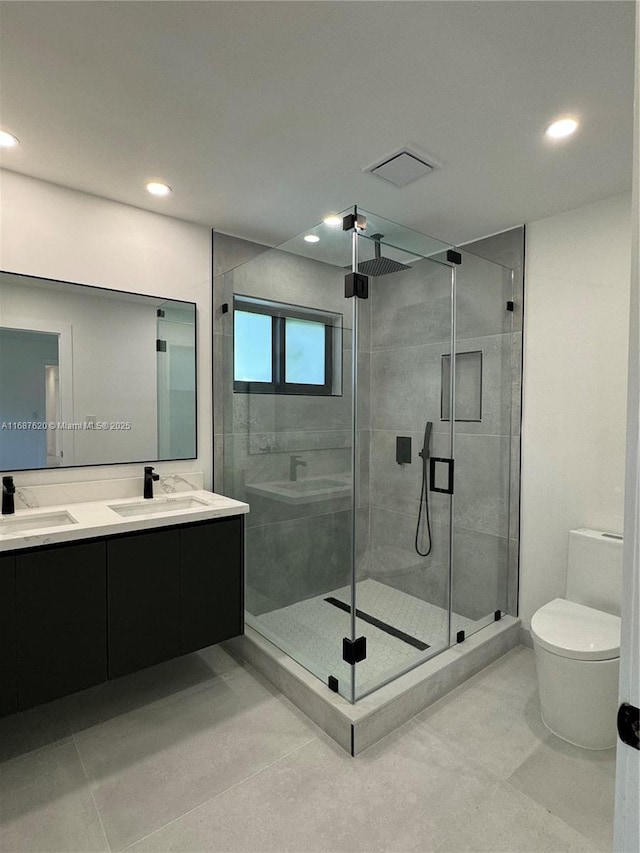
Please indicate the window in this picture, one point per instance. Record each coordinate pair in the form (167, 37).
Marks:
(285, 349)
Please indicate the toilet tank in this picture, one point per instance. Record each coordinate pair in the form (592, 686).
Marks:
(594, 572)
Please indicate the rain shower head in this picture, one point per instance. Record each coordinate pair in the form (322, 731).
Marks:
(380, 266)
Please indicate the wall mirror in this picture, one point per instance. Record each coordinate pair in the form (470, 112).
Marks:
(90, 376)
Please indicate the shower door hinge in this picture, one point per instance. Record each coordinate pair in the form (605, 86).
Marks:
(161, 346)
(460, 637)
(159, 313)
(356, 284)
(354, 651)
(333, 683)
(454, 257)
(497, 616)
(510, 305)
(354, 220)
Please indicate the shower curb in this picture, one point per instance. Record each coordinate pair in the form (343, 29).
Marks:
(356, 727)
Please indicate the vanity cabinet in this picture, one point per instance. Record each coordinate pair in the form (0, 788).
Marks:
(8, 659)
(144, 595)
(61, 610)
(211, 598)
(74, 615)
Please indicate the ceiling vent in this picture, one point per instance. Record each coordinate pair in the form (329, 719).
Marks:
(402, 167)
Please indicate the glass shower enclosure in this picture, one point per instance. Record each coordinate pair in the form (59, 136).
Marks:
(367, 422)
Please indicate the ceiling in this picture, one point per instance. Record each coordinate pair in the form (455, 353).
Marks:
(262, 115)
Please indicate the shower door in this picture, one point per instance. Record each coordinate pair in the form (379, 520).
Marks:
(485, 381)
(433, 424)
(404, 431)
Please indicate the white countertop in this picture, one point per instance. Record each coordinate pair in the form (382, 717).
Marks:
(98, 518)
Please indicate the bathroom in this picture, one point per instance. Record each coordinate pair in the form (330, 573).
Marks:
(233, 734)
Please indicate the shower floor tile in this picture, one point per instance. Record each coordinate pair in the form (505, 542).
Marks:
(311, 631)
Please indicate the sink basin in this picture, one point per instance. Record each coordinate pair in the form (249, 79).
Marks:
(305, 491)
(155, 506)
(315, 485)
(39, 521)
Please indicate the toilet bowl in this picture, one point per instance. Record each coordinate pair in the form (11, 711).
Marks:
(577, 644)
(577, 652)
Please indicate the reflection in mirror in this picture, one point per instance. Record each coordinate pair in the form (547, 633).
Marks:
(90, 376)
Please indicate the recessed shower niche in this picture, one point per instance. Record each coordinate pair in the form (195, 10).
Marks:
(468, 386)
(356, 567)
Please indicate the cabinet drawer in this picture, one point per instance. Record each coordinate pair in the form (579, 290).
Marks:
(143, 600)
(211, 583)
(61, 621)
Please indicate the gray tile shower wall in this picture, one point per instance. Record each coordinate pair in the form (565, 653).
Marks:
(295, 549)
(410, 333)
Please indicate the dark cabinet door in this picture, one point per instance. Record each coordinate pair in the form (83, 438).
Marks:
(61, 621)
(212, 583)
(8, 669)
(143, 600)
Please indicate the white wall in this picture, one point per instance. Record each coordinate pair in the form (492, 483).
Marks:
(54, 232)
(574, 391)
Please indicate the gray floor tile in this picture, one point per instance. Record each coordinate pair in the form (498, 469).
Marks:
(575, 784)
(494, 718)
(29, 730)
(46, 805)
(513, 673)
(202, 754)
(153, 765)
(510, 822)
(165, 682)
(399, 795)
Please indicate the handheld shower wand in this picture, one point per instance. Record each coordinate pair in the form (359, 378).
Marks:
(424, 454)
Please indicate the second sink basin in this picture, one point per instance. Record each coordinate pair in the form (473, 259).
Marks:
(155, 506)
(36, 521)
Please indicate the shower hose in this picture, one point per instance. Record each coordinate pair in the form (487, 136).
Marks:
(424, 501)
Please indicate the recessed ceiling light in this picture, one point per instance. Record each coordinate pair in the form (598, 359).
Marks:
(561, 128)
(8, 140)
(311, 238)
(332, 221)
(158, 188)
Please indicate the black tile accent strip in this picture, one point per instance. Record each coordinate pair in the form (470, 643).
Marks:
(389, 629)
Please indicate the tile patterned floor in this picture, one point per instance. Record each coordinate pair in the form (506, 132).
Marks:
(315, 628)
(201, 754)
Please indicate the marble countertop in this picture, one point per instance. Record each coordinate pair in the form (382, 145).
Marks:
(99, 518)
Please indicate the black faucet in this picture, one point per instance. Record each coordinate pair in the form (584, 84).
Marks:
(294, 461)
(8, 491)
(149, 477)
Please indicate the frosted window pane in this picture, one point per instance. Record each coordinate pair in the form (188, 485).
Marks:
(304, 348)
(252, 347)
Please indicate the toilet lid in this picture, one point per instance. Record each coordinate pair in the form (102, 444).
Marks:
(572, 630)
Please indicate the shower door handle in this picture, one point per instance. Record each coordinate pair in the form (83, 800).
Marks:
(433, 461)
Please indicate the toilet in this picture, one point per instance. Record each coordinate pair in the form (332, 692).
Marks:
(576, 641)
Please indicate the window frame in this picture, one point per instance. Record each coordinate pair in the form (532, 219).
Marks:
(280, 312)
